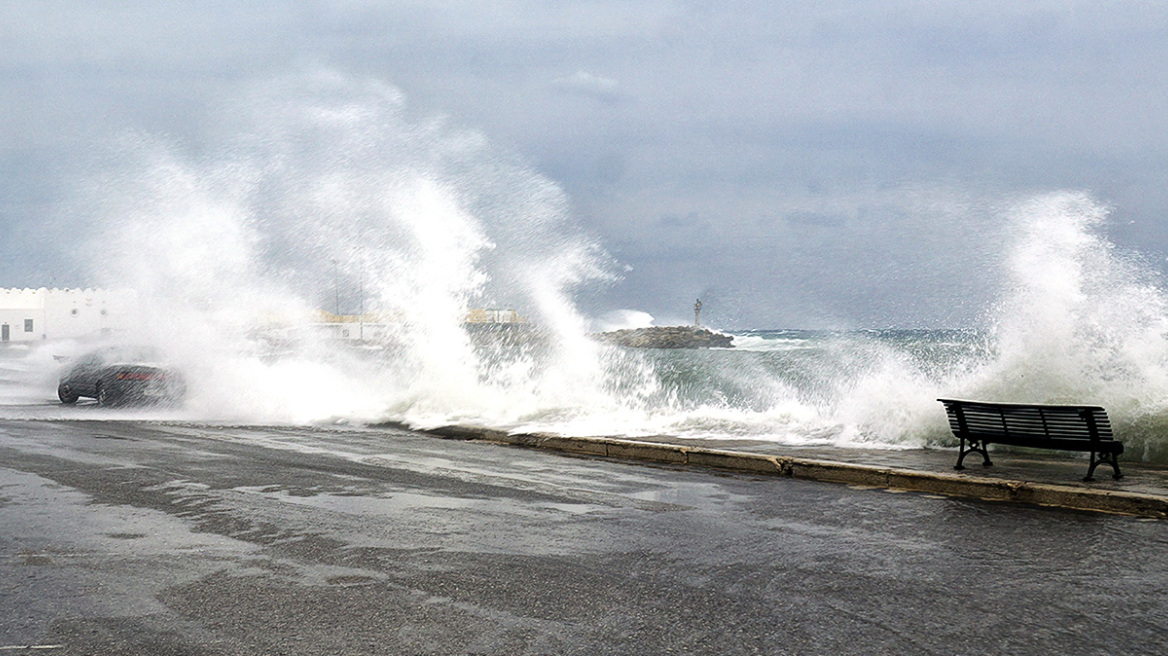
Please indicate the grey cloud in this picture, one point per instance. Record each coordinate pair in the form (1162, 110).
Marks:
(809, 113)
(589, 84)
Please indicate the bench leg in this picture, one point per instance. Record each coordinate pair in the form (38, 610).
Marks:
(973, 447)
(1110, 459)
(960, 455)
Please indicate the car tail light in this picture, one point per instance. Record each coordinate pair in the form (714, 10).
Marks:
(140, 375)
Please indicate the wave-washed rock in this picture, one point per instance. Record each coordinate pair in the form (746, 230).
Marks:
(669, 337)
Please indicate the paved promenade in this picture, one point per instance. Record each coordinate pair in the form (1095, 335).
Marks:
(174, 539)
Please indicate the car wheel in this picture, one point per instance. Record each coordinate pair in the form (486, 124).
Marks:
(66, 394)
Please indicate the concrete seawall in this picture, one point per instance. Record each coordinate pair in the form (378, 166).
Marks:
(1079, 497)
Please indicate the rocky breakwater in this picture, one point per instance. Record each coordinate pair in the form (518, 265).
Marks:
(668, 337)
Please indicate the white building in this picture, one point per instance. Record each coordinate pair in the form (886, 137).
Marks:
(41, 314)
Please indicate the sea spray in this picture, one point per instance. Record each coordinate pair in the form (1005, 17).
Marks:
(1082, 322)
(326, 195)
(1074, 320)
(1077, 321)
(322, 193)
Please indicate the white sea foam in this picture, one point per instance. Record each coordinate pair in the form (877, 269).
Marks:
(769, 343)
(1078, 322)
(326, 195)
(624, 320)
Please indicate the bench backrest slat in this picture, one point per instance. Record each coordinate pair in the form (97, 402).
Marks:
(1027, 421)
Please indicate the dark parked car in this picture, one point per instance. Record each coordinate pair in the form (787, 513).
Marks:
(117, 375)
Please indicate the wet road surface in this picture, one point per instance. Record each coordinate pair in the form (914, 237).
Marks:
(122, 537)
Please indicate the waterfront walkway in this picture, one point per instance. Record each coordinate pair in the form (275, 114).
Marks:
(146, 537)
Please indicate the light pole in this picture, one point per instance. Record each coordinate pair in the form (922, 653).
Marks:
(336, 290)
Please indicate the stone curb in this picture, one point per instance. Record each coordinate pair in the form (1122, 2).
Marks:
(949, 484)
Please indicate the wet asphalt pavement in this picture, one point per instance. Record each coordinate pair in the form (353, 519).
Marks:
(122, 537)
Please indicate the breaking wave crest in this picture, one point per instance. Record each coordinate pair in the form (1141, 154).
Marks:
(326, 200)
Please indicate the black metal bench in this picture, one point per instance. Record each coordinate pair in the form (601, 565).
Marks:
(1064, 427)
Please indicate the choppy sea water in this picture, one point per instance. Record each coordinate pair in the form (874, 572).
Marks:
(866, 388)
(327, 184)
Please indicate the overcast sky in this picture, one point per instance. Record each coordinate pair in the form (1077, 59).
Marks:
(794, 164)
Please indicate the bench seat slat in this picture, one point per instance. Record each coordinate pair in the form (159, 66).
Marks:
(1059, 429)
(1056, 443)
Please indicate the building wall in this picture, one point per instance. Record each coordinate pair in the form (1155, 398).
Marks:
(17, 307)
(65, 313)
(14, 321)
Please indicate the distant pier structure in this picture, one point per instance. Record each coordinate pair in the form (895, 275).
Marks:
(670, 337)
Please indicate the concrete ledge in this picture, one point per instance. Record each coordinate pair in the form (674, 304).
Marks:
(954, 485)
(588, 446)
(651, 451)
(1127, 503)
(949, 484)
(467, 433)
(838, 472)
(742, 462)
